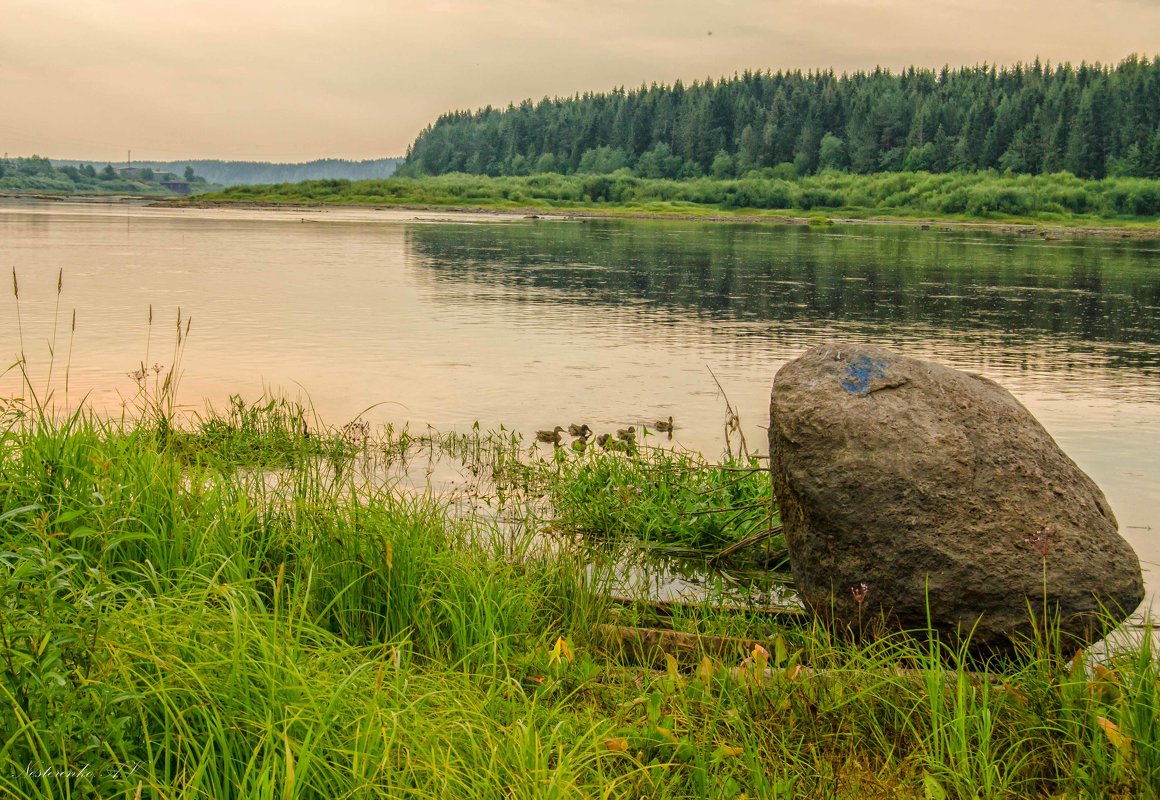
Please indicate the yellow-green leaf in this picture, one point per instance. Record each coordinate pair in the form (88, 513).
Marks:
(728, 751)
(1112, 731)
(705, 670)
(288, 782)
(560, 652)
(779, 650)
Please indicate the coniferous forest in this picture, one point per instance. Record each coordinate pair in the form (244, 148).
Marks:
(1092, 120)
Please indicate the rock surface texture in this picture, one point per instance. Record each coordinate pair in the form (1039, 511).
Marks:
(906, 485)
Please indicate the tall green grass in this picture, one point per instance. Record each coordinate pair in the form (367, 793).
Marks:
(667, 500)
(212, 610)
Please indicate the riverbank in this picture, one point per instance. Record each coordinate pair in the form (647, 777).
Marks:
(1034, 205)
(252, 599)
(41, 197)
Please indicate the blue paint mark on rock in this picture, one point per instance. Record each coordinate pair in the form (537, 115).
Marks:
(860, 371)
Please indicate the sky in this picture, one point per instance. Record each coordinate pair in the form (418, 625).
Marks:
(293, 80)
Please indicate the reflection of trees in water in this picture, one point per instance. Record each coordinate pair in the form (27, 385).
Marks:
(1083, 295)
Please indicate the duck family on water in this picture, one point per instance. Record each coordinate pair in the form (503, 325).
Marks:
(625, 438)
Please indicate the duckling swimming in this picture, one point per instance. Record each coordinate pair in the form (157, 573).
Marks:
(664, 427)
(579, 430)
(625, 434)
(627, 446)
(604, 440)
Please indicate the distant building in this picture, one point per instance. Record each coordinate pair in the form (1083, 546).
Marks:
(167, 179)
(145, 173)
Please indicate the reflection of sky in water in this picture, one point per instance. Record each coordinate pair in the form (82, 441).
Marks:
(533, 324)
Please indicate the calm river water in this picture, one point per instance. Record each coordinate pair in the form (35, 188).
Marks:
(451, 319)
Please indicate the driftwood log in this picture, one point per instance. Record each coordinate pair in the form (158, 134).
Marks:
(650, 646)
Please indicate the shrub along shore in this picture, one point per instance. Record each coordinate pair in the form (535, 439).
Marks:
(251, 604)
(1060, 199)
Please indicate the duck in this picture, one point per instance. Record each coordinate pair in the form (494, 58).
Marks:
(604, 440)
(580, 444)
(552, 436)
(579, 430)
(625, 434)
(664, 427)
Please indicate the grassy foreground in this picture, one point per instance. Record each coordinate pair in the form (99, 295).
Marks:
(1056, 199)
(253, 605)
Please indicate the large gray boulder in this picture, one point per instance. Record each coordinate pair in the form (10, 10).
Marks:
(909, 488)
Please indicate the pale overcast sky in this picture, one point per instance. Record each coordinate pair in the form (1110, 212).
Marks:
(302, 79)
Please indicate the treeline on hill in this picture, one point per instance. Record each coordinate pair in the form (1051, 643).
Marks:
(1093, 121)
(1059, 196)
(36, 174)
(234, 173)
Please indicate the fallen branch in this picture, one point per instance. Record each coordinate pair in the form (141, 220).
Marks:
(652, 646)
(746, 542)
(748, 507)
